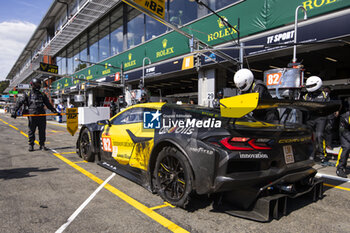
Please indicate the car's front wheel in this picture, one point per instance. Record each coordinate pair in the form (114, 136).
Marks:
(85, 146)
(173, 176)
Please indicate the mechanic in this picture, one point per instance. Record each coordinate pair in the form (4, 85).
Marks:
(330, 124)
(315, 94)
(343, 155)
(245, 82)
(216, 102)
(143, 98)
(60, 108)
(35, 102)
(113, 108)
(121, 103)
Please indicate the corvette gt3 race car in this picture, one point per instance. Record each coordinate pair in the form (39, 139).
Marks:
(178, 150)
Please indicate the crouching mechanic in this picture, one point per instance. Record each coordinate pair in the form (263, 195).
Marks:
(315, 94)
(35, 101)
(345, 144)
(245, 82)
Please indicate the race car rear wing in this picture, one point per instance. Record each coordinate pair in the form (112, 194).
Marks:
(238, 106)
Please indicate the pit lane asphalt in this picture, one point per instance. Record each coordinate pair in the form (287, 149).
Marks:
(39, 192)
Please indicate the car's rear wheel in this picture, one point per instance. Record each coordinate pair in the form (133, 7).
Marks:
(85, 146)
(173, 177)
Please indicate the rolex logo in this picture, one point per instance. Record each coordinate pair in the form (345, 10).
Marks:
(164, 42)
(131, 62)
(220, 23)
(165, 51)
(106, 66)
(89, 72)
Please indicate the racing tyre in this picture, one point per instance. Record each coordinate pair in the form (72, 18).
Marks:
(85, 146)
(173, 176)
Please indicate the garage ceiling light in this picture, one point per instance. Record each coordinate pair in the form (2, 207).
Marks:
(331, 59)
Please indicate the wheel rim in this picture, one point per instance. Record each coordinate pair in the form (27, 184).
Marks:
(84, 144)
(171, 177)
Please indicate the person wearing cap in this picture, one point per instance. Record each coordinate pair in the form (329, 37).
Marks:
(245, 82)
(318, 124)
(35, 101)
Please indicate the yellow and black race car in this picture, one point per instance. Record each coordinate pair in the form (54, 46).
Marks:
(178, 150)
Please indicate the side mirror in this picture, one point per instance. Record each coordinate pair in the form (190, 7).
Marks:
(104, 122)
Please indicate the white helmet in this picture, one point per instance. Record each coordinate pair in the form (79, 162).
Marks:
(313, 83)
(243, 79)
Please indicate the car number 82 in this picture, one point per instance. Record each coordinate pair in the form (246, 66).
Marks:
(106, 144)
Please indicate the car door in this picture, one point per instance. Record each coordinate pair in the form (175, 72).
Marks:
(126, 139)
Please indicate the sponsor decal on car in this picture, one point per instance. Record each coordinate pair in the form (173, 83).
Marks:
(253, 156)
(293, 140)
(201, 150)
(178, 130)
(151, 120)
(115, 152)
(178, 123)
(192, 122)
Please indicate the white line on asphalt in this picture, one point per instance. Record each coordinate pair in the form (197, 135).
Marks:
(54, 151)
(86, 202)
(333, 177)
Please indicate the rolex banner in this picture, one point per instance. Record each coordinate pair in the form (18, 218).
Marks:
(72, 120)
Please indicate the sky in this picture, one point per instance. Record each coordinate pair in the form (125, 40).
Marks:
(18, 21)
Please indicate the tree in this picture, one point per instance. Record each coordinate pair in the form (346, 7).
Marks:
(3, 86)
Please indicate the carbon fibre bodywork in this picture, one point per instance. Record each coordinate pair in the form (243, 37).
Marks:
(250, 163)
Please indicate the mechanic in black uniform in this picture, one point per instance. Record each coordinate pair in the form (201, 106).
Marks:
(113, 108)
(343, 155)
(245, 82)
(330, 124)
(144, 98)
(315, 94)
(216, 102)
(35, 101)
(121, 103)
